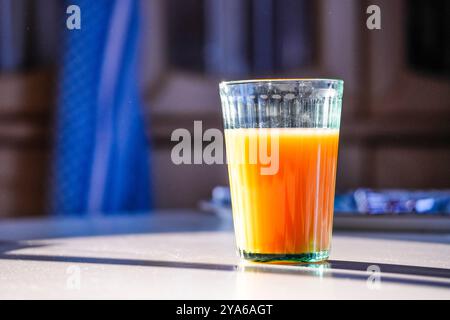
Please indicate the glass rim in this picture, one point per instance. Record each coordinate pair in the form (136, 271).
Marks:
(279, 80)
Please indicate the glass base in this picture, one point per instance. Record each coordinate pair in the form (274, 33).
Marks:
(285, 258)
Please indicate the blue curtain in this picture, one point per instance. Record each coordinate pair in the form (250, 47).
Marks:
(101, 152)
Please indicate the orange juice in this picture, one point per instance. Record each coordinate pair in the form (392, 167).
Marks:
(289, 211)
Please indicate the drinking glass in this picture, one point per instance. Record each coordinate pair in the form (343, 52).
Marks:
(281, 140)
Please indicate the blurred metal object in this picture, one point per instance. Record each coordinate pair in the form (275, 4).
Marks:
(391, 201)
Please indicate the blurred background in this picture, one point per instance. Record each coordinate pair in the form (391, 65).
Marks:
(86, 114)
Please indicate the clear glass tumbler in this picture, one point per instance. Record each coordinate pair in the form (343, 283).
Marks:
(282, 145)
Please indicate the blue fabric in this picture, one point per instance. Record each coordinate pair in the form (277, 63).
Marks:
(101, 153)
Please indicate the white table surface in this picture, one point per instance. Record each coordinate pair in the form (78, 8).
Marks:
(188, 255)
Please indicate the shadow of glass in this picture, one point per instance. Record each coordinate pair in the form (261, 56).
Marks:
(7, 246)
(350, 270)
